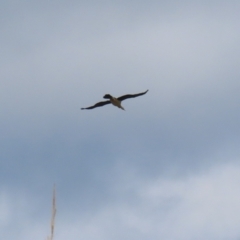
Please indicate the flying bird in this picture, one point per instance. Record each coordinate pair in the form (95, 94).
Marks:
(115, 101)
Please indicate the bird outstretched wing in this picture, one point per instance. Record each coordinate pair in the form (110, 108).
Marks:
(99, 104)
(131, 96)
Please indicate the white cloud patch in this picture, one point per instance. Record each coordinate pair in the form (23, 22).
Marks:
(207, 205)
(204, 206)
(198, 206)
(4, 209)
(19, 218)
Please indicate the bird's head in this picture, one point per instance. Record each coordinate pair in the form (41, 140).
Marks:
(107, 96)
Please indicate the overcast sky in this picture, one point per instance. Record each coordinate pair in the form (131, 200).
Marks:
(166, 168)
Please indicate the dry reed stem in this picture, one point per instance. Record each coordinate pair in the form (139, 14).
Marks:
(54, 210)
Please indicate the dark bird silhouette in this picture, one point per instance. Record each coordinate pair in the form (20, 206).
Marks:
(115, 101)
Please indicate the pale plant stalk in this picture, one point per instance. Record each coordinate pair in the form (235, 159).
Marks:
(54, 210)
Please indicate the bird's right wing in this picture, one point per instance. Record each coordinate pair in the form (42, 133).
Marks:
(131, 96)
(99, 104)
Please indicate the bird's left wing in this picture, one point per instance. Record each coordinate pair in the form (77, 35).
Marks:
(99, 104)
(131, 96)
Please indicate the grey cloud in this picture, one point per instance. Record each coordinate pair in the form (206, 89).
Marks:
(58, 58)
(200, 206)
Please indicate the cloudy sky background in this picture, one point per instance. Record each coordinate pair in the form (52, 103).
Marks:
(166, 168)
